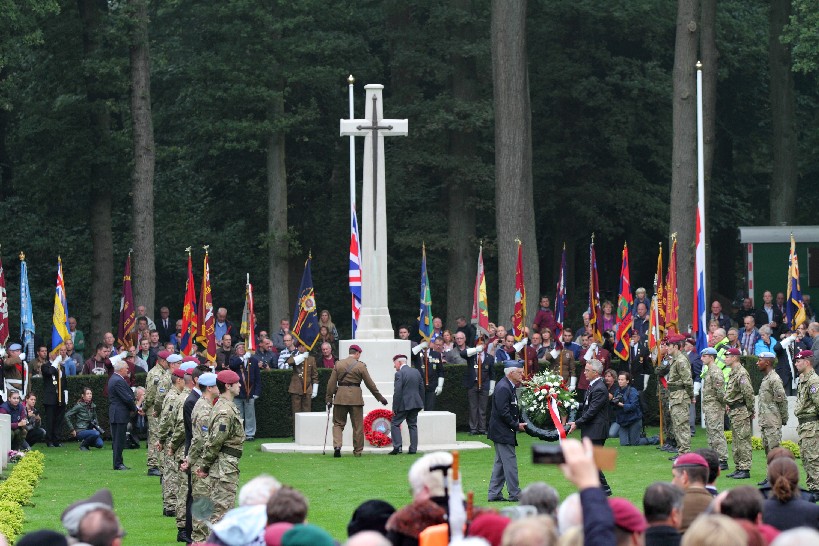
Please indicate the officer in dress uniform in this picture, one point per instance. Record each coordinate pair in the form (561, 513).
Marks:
(430, 362)
(807, 413)
(304, 381)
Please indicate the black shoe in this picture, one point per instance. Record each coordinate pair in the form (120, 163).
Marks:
(607, 491)
(741, 475)
(395, 451)
(154, 472)
(169, 513)
(674, 458)
(513, 499)
(122, 467)
(723, 465)
(763, 483)
(84, 448)
(412, 452)
(497, 499)
(250, 439)
(337, 452)
(181, 536)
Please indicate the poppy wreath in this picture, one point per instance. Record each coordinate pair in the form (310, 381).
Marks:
(377, 427)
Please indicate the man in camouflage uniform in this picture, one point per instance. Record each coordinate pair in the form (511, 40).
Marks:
(179, 443)
(807, 413)
(200, 421)
(223, 446)
(158, 378)
(345, 385)
(773, 404)
(170, 405)
(739, 399)
(713, 405)
(663, 367)
(680, 392)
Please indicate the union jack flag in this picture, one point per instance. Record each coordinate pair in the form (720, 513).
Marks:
(355, 271)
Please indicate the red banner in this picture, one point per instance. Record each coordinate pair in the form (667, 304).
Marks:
(519, 317)
(190, 322)
(126, 336)
(206, 319)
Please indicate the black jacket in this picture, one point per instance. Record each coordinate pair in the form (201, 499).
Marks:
(791, 514)
(505, 417)
(120, 399)
(187, 415)
(662, 535)
(51, 396)
(594, 412)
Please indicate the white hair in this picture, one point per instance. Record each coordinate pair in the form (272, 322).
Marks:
(368, 538)
(797, 537)
(765, 329)
(509, 370)
(596, 365)
(258, 490)
(120, 365)
(420, 476)
(570, 513)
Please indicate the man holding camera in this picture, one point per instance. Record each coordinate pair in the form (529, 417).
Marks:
(82, 422)
(504, 424)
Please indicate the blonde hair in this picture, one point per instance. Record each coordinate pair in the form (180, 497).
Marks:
(572, 537)
(531, 531)
(714, 530)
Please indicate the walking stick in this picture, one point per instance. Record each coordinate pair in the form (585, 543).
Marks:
(326, 428)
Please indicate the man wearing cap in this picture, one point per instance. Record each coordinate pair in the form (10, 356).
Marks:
(680, 392)
(739, 399)
(430, 363)
(690, 473)
(223, 446)
(250, 381)
(304, 380)
(345, 385)
(154, 381)
(179, 444)
(713, 405)
(477, 379)
(807, 413)
(773, 403)
(200, 420)
(170, 406)
(504, 424)
(121, 404)
(407, 401)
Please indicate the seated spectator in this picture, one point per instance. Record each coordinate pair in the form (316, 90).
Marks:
(14, 408)
(714, 530)
(542, 496)
(733, 339)
(371, 515)
(662, 506)
(244, 525)
(712, 458)
(258, 490)
(531, 531)
(785, 509)
(287, 504)
(36, 432)
(745, 502)
(428, 505)
(690, 473)
(100, 527)
(82, 421)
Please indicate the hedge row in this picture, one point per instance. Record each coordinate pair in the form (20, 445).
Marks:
(273, 418)
(16, 492)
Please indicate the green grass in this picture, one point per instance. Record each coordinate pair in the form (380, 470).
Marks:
(333, 486)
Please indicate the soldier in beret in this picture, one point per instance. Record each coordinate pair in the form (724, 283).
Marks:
(680, 392)
(772, 405)
(807, 413)
(739, 399)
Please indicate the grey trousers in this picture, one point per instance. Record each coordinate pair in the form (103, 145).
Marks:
(477, 410)
(411, 417)
(247, 409)
(505, 470)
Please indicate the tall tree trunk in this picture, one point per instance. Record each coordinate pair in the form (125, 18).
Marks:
(684, 151)
(5, 159)
(277, 236)
(710, 64)
(784, 176)
(102, 274)
(461, 258)
(144, 269)
(515, 213)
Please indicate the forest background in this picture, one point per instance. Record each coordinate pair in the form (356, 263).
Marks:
(159, 125)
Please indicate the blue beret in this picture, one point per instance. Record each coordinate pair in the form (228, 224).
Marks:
(207, 379)
(766, 354)
(513, 364)
(185, 366)
(708, 351)
(15, 347)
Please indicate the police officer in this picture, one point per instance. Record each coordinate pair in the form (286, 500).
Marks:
(170, 405)
(223, 446)
(772, 404)
(200, 421)
(807, 413)
(430, 363)
(739, 399)
(680, 392)
(713, 405)
(158, 377)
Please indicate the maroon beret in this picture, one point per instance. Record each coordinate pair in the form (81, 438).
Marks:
(626, 515)
(690, 459)
(396, 357)
(178, 372)
(355, 348)
(804, 353)
(733, 351)
(163, 354)
(228, 377)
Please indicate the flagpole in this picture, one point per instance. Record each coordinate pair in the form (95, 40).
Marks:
(350, 82)
(701, 173)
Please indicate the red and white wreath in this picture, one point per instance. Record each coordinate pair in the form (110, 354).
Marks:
(377, 427)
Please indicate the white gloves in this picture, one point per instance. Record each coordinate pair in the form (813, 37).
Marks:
(521, 344)
(491, 387)
(56, 362)
(440, 388)
(594, 346)
(555, 353)
(472, 351)
(299, 358)
(118, 358)
(245, 357)
(590, 353)
(420, 347)
(573, 384)
(2, 352)
(788, 341)
(645, 381)
(697, 388)
(315, 390)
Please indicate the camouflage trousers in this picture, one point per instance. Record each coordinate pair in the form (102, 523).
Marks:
(153, 428)
(200, 488)
(771, 437)
(715, 429)
(809, 448)
(679, 422)
(170, 481)
(668, 427)
(741, 425)
(223, 493)
(181, 490)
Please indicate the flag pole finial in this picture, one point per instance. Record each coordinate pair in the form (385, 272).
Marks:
(248, 278)
(518, 241)
(350, 79)
(22, 256)
(188, 250)
(699, 65)
(206, 247)
(592, 237)
(674, 236)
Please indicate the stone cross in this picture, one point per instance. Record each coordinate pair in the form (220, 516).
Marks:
(374, 322)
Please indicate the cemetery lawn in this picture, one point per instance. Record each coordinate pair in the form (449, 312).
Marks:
(334, 487)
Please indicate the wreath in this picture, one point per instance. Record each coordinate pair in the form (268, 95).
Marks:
(536, 395)
(377, 427)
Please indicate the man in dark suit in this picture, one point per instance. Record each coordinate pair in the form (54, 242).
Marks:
(53, 398)
(640, 368)
(121, 404)
(165, 325)
(407, 401)
(477, 379)
(504, 424)
(594, 412)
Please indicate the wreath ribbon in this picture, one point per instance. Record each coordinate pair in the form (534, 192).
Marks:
(553, 411)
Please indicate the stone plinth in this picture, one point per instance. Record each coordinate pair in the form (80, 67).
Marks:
(789, 430)
(434, 427)
(5, 439)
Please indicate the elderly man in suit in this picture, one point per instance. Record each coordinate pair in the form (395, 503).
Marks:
(121, 400)
(504, 424)
(407, 401)
(594, 412)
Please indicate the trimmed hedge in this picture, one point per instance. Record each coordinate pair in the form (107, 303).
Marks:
(273, 418)
(16, 492)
